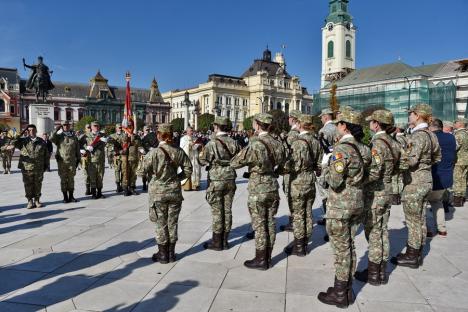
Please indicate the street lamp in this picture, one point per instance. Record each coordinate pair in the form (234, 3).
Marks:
(187, 105)
(410, 83)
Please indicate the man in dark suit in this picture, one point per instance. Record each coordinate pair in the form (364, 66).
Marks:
(442, 176)
(50, 147)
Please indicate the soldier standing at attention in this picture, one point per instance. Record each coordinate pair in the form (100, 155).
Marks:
(292, 135)
(33, 161)
(263, 156)
(423, 151)
(149, 141)
(117, 137)
(165, 192)
(460, 173)
(400, 137)
(345, 177)
(302, 165)
(68, 158)
(4, 152)
(377, 197)
(217, 154)
(85, 160)
(94, 144)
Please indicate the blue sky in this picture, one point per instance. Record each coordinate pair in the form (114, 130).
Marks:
(181, 42)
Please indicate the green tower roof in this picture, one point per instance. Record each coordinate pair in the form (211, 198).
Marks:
(338, 12)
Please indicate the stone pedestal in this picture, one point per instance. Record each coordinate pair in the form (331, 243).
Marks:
(42, 115)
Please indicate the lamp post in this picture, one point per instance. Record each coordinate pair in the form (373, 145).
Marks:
(410, 83)
(187, 104)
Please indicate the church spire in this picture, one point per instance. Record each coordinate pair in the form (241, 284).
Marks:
(338, 12)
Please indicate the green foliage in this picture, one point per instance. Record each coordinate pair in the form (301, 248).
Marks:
(367, 135)
(247, 123)
(205, 122)
(4, 126)
(110, 128)
(280, 121)
(178, 124)
(80, 125)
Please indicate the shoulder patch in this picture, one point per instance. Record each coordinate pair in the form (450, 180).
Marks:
(337, 156)
(339, 166)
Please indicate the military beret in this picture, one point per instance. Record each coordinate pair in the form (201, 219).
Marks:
(421, 109)
(307, 119)
(383, 116)
(222, 121)
(349, 116)
(264, 118)
(66, 123)
(462, 120)
(326, 111)
(165, 128)
(95, 123)
(295, 114)
(447, 123)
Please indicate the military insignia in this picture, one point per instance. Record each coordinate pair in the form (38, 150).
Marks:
(339, 166)
(337, 156)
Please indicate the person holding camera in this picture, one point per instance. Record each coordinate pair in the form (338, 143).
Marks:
(68, 157)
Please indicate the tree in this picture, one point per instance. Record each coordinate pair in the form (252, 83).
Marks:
(178, 124)
(247, 123)
(205, 122)
(80, 125)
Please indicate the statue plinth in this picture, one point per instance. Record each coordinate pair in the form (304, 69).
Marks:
(42, 115)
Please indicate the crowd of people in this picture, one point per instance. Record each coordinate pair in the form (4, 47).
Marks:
(425, 163)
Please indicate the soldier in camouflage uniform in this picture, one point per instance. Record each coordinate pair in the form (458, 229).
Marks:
(33, 161)
(5, 154)
(94, 144)
(217, 154)
(68, 158)
(149, 141)
(377, 197)
(262, 156)
(165, 193)
(291, 136)
(117, 137)
(127, 147)
(302, 165)
(85, 160)
(327, 137)
(460, 172)
(345, 177)
(423, 151)
(399, 136)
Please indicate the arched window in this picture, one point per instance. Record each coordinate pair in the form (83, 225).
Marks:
(348, 48)
(331, 47)
(278, 106)
(2, 105)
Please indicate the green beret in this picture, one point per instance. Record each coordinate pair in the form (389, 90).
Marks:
(165, 128)
(264, 118)
(383, 116)
(295, 114)
(221, 121)
(306, 119)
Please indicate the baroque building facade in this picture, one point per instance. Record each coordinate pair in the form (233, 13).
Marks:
(264, 86)
(10, 84)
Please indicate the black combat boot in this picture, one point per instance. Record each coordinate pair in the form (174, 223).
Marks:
(409, 259)
(65, 197)
(93, 193)
(370, 275)
(396, 199)
(30, 204)
(37, 202)
(119, 188)
(457, 201)
(260, 262)
(338, 295)
(226, 240)
(162, 256)
(88, 190)
(250, 235)
(172, 254)
(99, 193)
(383, 273)
(288, 227)
(133, 190)
(421, 255)
(269, 250)
(145, 186)
(296, 248)
(126, 191)
(323, 221)
(216, 242)
(71, 198)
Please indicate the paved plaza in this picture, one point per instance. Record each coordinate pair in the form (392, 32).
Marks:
(95, 255)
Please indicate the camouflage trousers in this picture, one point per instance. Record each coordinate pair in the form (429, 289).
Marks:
(6, 161)
(84, 166)
(129, 175)
(302, 200)
(397, 184)
(220, 195)
(376, 214)
(263, 208)
(95, 174)
(413, 199)
(342, 233)
(166, 216)
(322, 190)
(32, 181)
(460, 174)
(118, 169)
(287, 191)
(67, 174)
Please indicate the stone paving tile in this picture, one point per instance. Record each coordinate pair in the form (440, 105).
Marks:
(247, 301)
(385, 306)
(13, 280)
(45, 262)
(241, 278)
(9, 255)
(90, 265)
(203, 274)
(300, 303)
(17, 307)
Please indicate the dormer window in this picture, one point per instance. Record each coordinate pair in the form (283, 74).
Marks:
(103, 94)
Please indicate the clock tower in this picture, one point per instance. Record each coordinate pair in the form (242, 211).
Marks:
(338, 43)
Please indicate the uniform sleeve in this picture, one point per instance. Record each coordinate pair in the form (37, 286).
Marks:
(206, 155)
(458, 139)
(186, 165)
(337, 170)
(245, 157)
(415, 149)
(55, 138)
(377, 163)
(437, 153)
(148, 161)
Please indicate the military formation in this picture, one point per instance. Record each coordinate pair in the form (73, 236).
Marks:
(357, 182)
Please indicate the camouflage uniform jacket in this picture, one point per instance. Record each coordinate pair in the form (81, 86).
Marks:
(149, 141)
(402, 138)
(292, 136)
(423, 151)
(165, 184)
(345, 178)
(214, 155)
(99, 154)
(127, 145)
(328, 134)
(33, 154)
(305, 154)
(461, 136)
(68, 148)
(262, 171)
(4, 142)
(383, 163)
